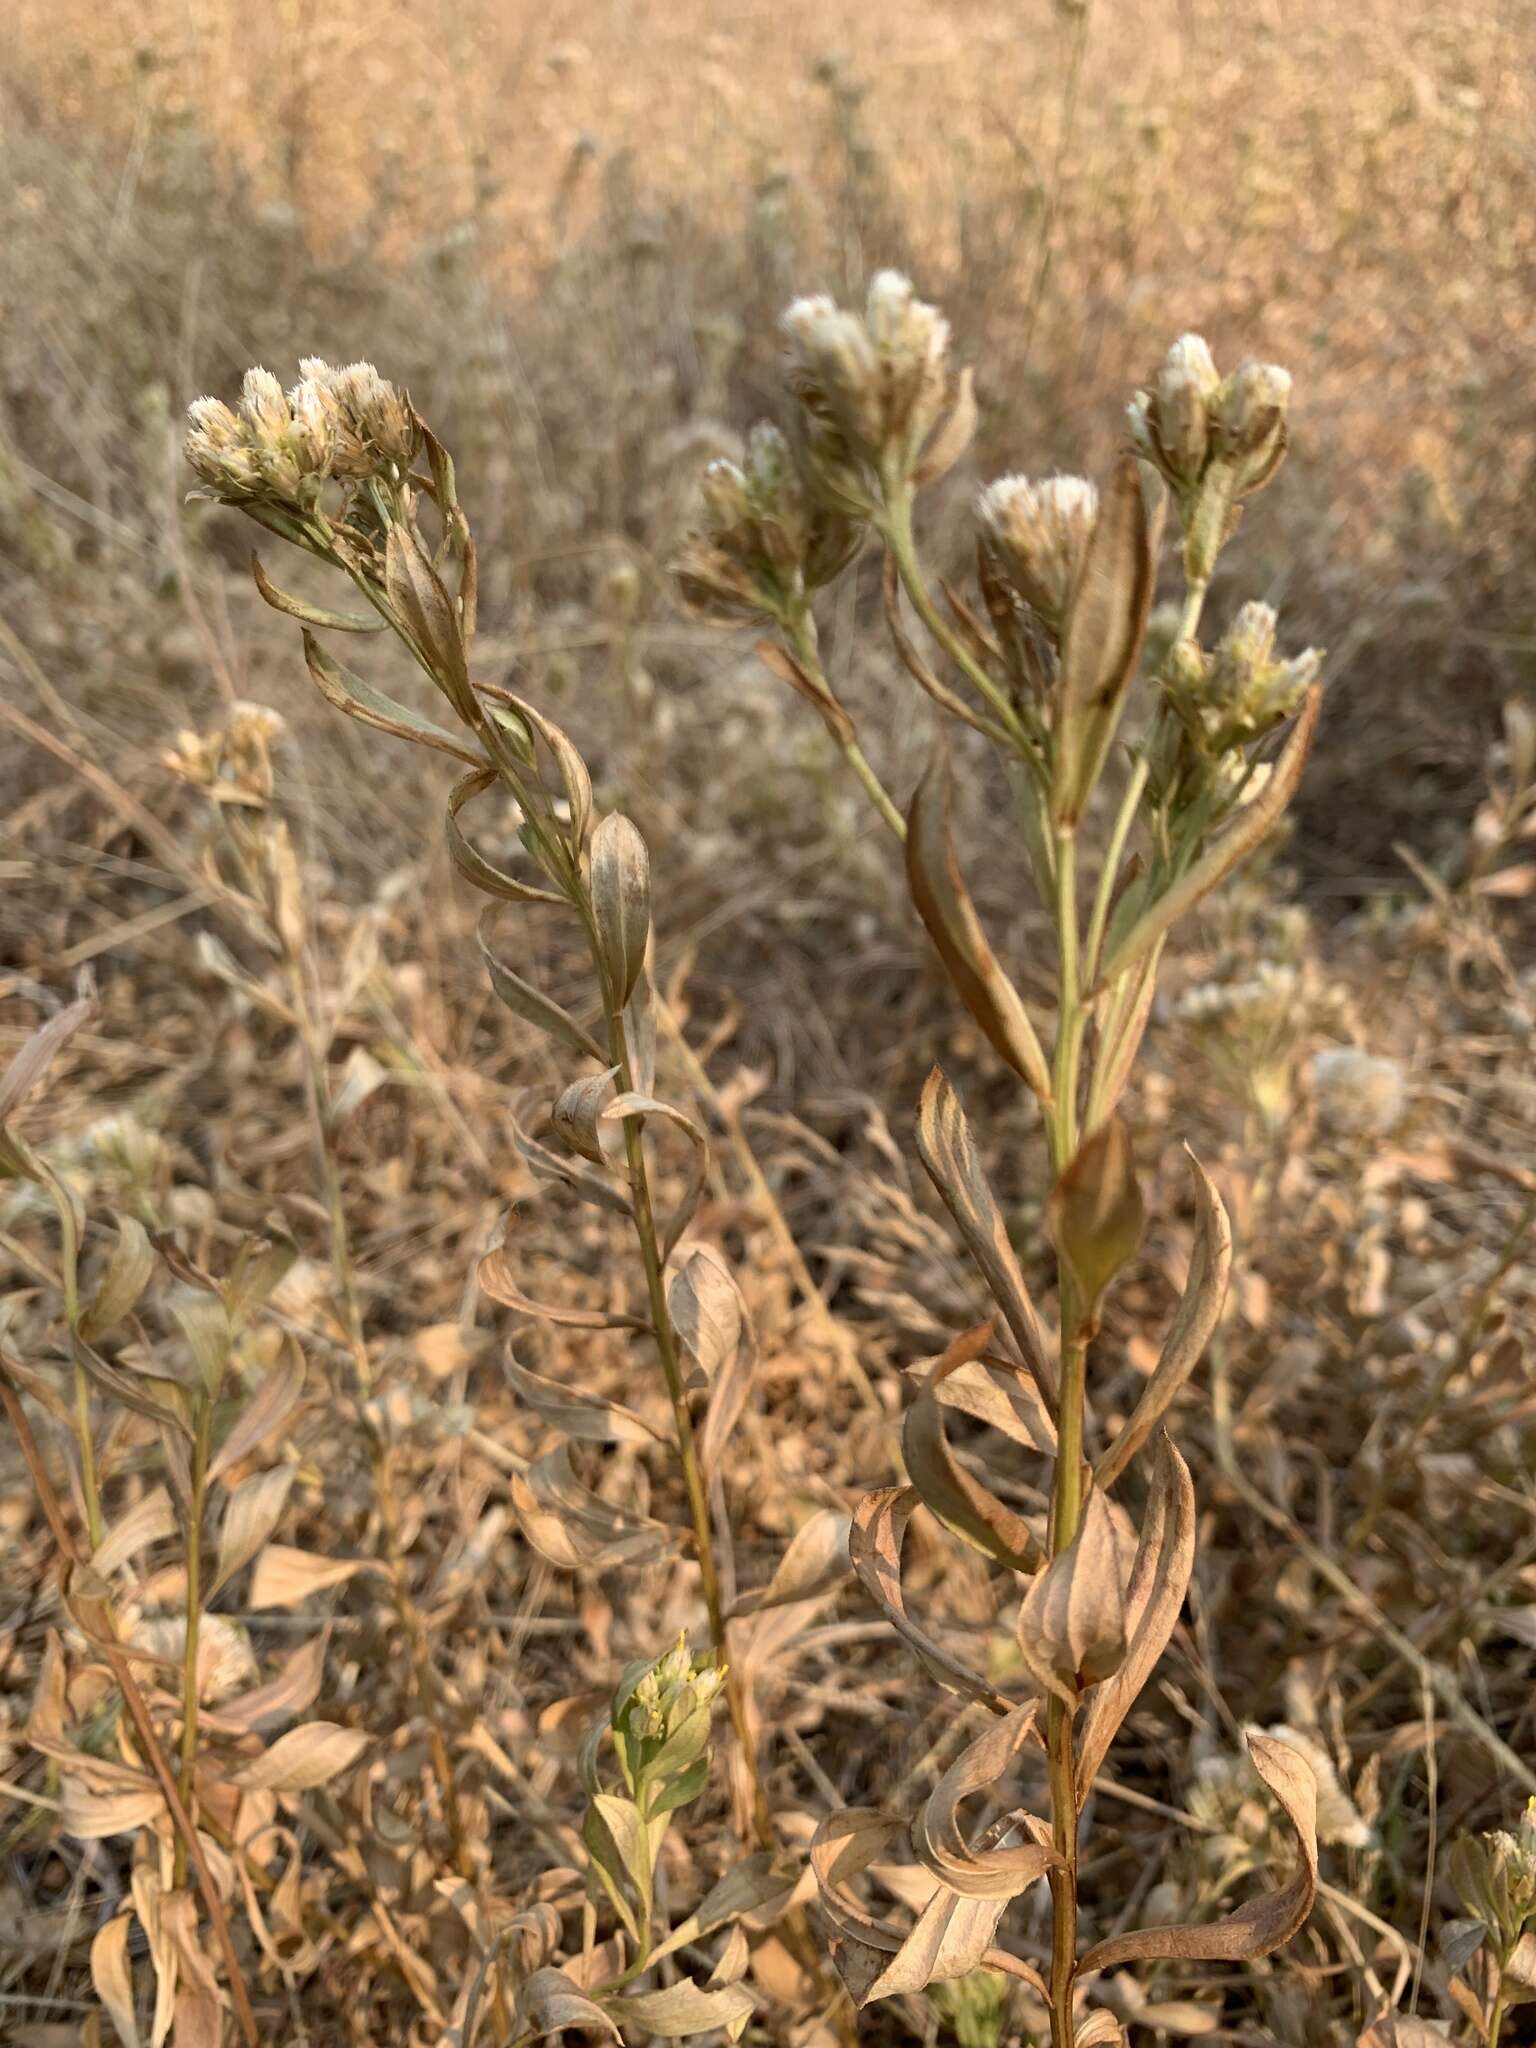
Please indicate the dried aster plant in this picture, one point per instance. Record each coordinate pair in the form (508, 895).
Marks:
(332, 467)
(1047, 670)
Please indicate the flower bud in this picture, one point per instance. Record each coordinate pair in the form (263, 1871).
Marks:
(1171, 423)
(263, 405)
(1039, 534)
(1248, 423)
(762, 543)
(873, 389)
(218, 448)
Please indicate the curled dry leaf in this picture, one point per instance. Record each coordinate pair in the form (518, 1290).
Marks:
(568, 1173)
(575, 1119)
(943, 903)
(995, 1873)
(1265, 1923)
(127, 1275)
(707, 1311)
(1194, 1323)
(428, 614)
(1072, 1621)
(495, 1276)
(816, 1559)
(584, 1417)
(965, 1507)
(1101, 643)
(951, 1935)
(568, 1524)
(874, 1549)
(949, 1155)
(293, 1691)
(549, 2003)
(304, 1758)
(1165, 1557)
(634, 1104)
(313, 614)
(529, 1003)
(621, 901)
(472, 864)
(150, 1520)
(1000, 1393)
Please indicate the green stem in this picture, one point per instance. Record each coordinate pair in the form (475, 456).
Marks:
(667, 1351)
(895, 527)
(802, 636)
(187, 1762)
(69, 1276)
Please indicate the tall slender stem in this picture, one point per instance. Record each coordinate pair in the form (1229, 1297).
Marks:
(192, 1632)
(802, 634)
(896, 527)
(69, 1274)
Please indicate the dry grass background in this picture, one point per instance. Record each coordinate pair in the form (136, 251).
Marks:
(569, 233)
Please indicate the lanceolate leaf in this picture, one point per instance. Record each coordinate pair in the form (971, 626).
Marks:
(874, 1548)
(359, 698)
(575, 1414)
(1198, 1313)
(949, 1154)
(429, 615)
(312, 614)
(1165, 1557)
(1102, 641)
(1265, 1923)
(549, 2003)
(39, 1052)
(1252, 825)
(471, 864)
(684, 2008)
(943, 903)
(529, 1003)
(816, 1559)
(496, 1276)
(993, 1873)
(621, 900)
(953, 1493)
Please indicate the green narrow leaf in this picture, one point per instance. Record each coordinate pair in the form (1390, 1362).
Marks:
(312, 614)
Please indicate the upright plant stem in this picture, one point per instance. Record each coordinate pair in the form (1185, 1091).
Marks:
(672, 1371)
(1067, 1480)
(802, 634)
(69, 1274)
(192, 1634)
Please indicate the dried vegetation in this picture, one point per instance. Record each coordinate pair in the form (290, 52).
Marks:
(852, 1362)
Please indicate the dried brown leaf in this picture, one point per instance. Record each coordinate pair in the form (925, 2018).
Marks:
(874, 1550)
(1265, 1923)
(995, 1873)
(621, 901)
(304, 1758)
(965, 1507)
(1101, 643)
(949, 1155)
(1165, 1557)
(1194, 1324)
(939, 893)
